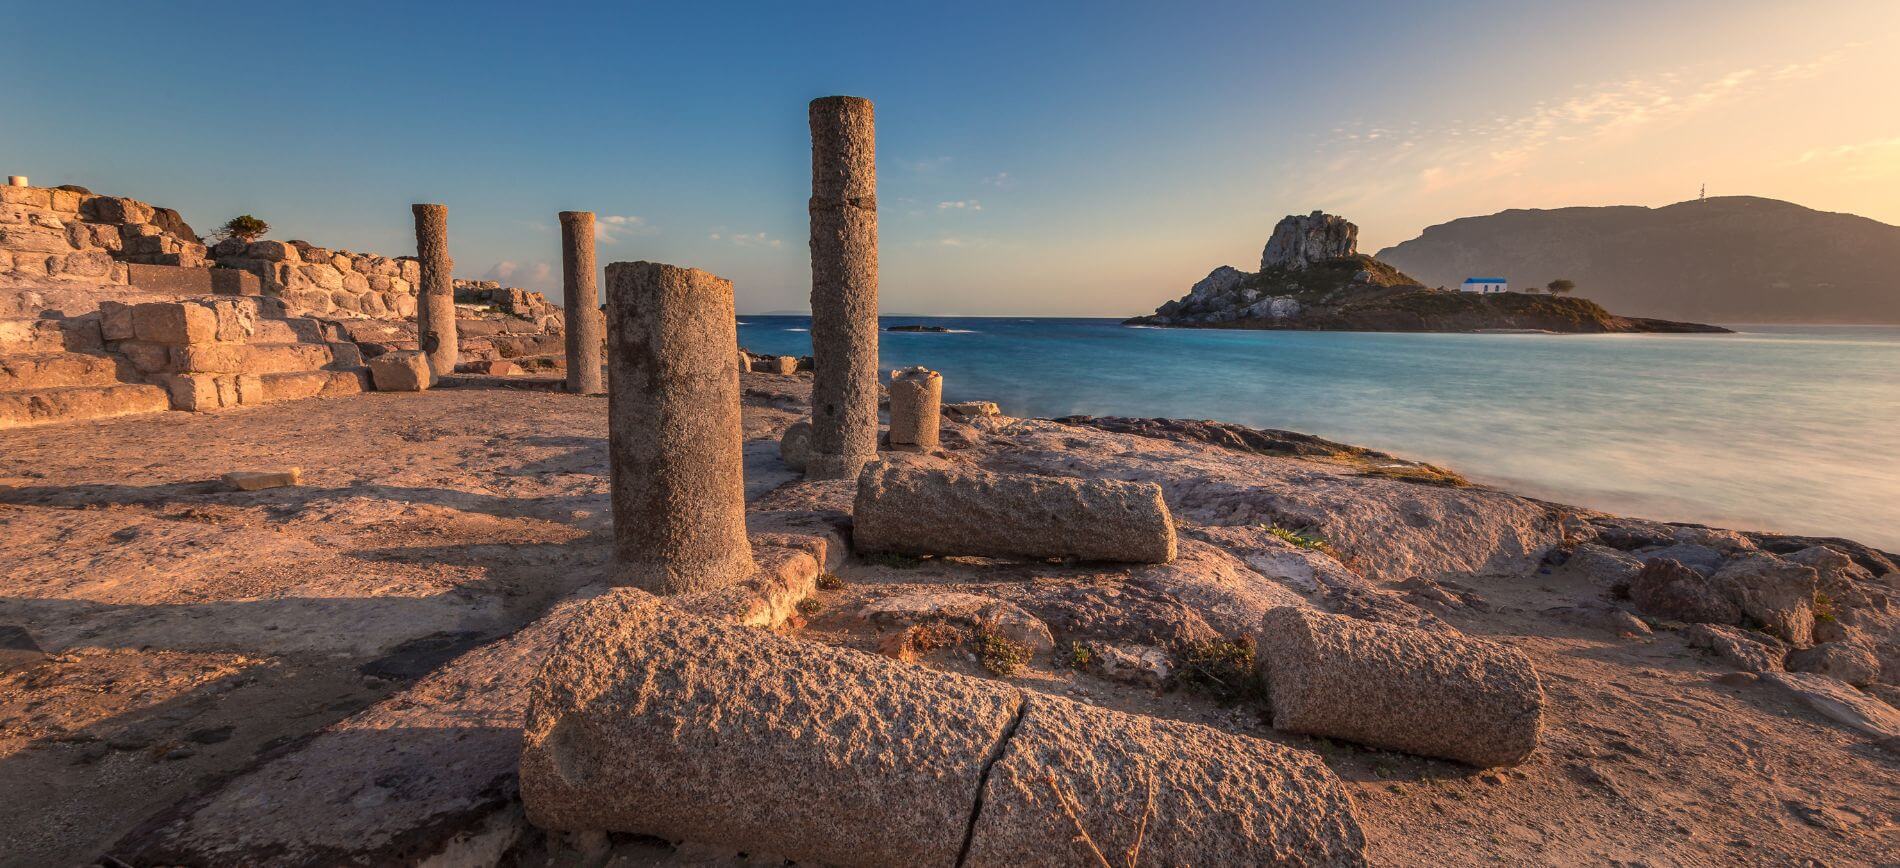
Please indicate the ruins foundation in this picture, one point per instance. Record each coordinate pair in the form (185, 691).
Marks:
(585, 321)
(675, 438)
(843, 286)
(435, 307)
(916, 409)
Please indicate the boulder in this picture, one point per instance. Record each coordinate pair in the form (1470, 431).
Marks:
(1301, 241)
(1750, 652)
(1667, 589)
(1402, 688)
(647, 720)
(957, 511)
(1605, 567)
(1851, 662)
(1772, 591)
(401, 371)
(1700, 558)
(259, 480)
(785, 365)
(1001, 617)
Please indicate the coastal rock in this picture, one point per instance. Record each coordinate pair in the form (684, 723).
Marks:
(1700, 558)
(1750, 652)
(1772, 591)
(1605, 567)
(1301, 241)
(1851, 662)
(1668, 589)
(794, 446)
(986, 613)
(1426, 693)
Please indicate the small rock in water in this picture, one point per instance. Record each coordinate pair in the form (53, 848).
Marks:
(258, 480)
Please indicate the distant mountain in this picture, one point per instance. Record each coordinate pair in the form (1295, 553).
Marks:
(1724, 259)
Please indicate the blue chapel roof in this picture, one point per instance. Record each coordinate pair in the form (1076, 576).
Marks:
(1484, 280)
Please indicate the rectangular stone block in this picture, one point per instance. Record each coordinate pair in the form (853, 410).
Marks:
(401, 371)
(32, 197)
(145, 355)
(175, 323)
(27, 238)
(957, 511)
(259, 480)
(202, 392)
(65, 201)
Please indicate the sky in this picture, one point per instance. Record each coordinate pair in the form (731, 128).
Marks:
(1033, 158)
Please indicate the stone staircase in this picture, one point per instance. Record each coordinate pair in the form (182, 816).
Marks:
(196, 354)
(57, 370)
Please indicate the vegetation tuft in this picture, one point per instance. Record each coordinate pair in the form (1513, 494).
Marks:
(829, 582)
(809, 607)
(1000, 655)
(1078, 656)
(1305, 539)
(1222, 668)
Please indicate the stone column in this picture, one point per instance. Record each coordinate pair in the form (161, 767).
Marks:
(673, 429)
(435, 297)
(843, 286)
(916, 408)
(585, 322)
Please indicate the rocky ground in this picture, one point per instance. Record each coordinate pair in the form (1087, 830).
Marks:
(180, 653)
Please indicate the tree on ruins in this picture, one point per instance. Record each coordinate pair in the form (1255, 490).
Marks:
(243, 228)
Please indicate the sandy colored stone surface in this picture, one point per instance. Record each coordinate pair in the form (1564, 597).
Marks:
(1398, 687)
(401, 371)
(1148, 791)
(843, 212)
(753, 741)
(921, 510)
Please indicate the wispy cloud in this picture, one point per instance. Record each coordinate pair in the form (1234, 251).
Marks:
(745, 239)
(611, 228)
(531, 275)
(960, 205)
(1000, 180)
(925, 165)
(1438, 157)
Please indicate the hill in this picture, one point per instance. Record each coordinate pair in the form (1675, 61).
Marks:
(1724, 259)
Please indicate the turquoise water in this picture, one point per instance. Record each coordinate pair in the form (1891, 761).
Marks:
(1787, 428)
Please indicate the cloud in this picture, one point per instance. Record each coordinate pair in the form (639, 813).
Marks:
(743, 239)
(529, 275)
(1462, 153)
(960, 205)
(1859, 161)
(611, 228)
(1000, 180)
(925, 165)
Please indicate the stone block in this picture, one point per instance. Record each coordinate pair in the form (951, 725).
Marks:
(31, 197)
(115, 320)
(959, 511)
(272, 251)
(401, 371)
(87, 264)
(65, 201)
(35, 239)
(775, 365)
(1402, 688)
(175, 323)
(259, 480)
(202, 392)
(113, 209)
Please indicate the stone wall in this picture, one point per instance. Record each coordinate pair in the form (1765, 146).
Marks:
(319, 280)
(68, 234)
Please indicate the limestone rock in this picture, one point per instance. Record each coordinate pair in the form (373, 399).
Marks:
(1668, 589)
(1840, 703)
(1301, 241)
(1604, 566)
(1750, 652)
(1851, 662)
(1775, 592)
(1396, 687)
(952, 511)
(986, 613)
(1177, 793)
(401, 371)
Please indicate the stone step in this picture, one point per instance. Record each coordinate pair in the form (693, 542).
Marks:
(62, 370)
(266, 358)
(23, 336)
(314, 384)
(287, 331)
(48, 406)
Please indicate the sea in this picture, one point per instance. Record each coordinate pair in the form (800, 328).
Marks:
(1792, 429)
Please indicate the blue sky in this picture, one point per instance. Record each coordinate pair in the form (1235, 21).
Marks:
(1034, 158)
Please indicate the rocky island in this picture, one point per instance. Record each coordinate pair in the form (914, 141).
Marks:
(1312, 277)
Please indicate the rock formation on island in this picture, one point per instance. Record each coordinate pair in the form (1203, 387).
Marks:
(1312, 277)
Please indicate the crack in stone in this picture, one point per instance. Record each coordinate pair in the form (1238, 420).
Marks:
(983, 777)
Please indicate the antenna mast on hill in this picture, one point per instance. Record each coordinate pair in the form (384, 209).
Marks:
(1705, 193)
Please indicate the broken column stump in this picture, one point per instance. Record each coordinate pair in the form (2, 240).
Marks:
(581, 304)
(843, 286)
(435, 296)
(916, 409)
(652, 721)
(1399, 687)
(674, 434)
(960, 511)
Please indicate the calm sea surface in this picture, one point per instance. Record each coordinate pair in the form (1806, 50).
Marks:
(1787, 428)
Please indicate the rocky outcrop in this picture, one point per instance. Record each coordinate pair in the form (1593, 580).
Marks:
(1298, 242)
(1311, 277)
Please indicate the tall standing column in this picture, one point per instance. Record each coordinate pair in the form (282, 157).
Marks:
(843, 287)
(674, 436)
(435, 299)
(581, 291)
